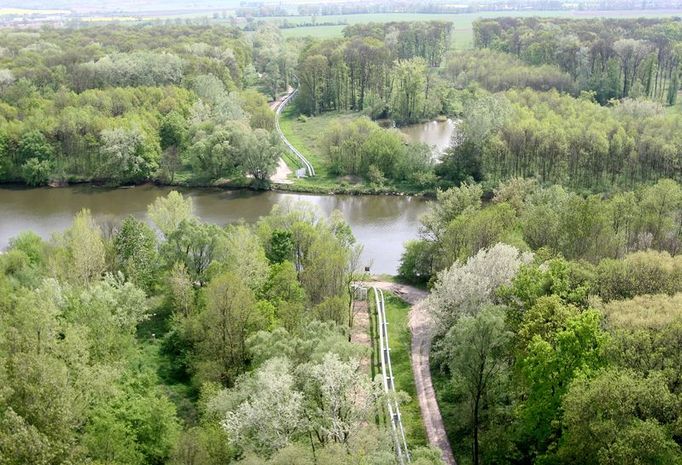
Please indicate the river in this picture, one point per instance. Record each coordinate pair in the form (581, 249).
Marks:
(437, 134)
(381, 223)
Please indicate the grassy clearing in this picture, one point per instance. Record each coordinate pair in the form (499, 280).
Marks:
(307, 137)
(400, 339)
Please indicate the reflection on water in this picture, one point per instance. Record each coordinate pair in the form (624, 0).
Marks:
(434, 133)
(381, 223)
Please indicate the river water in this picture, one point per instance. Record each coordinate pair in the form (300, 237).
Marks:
(436, 134)
(381, 223)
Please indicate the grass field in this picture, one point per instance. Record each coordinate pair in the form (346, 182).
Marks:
(400, 342)
(462, 23)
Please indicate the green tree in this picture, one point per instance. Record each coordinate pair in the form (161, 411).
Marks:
(552, 362)
(168, 212)
(281, 246)
(262, 155)
(85, 249)
(619, 417)
(33, 144)
(474, 350)
(230, 316)
(409, 89)
(136, 252)
(126, 155)
(195, 244)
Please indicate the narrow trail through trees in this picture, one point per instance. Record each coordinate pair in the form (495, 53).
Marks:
(420, 327)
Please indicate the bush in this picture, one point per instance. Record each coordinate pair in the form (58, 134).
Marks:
(36, 172)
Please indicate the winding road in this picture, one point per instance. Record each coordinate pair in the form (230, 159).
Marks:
(420, 326)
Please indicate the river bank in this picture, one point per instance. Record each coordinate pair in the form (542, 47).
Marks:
(381, 223)
(342, 188)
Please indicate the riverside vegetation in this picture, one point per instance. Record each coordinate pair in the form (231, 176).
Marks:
(196, 345)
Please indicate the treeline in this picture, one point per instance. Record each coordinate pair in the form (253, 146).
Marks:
(131, 104)
(557, 323)
(498, 71)
(559, 139)
(614, 58)
(186, 343)
(548, 220)
(382, 69)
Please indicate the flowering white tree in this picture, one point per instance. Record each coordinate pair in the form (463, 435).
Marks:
(6, 77)
(267, 409)
(339, 397)
(463, 289)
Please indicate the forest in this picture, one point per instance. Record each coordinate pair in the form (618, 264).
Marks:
(197, 345)
(593, 108)
(558, 323)
(124, 105)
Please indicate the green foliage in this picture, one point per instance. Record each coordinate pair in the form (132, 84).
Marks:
(361, 147)
(639, 273)
(620, 417)
(36, 172)
(126, 156)
(560, 223)
(416, 262)
(84, 255)
(136, 253)
(168, 212)
(524, 133)
(573, 386)
(120, 106)
(349, 74)
(474, 350)
(172, 131)
(640, 56)
(281, 246)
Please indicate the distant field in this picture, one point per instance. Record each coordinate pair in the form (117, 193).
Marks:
(463, 23)
(322, 32)
(27, 11)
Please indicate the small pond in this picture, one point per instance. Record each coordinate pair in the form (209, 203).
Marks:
(436, 134)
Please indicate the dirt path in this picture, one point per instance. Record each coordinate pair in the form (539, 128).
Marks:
(420, 326)
(281, 175)
(360, 331)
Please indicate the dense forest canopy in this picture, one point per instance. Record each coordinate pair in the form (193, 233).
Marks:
(614, 58)
(129, 104)
(576, 102)
(188, 103)
(382, 68)
(557, 322)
